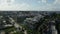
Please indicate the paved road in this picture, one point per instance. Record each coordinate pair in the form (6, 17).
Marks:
(16, 25)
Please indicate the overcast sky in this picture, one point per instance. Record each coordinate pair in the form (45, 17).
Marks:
(32, 5)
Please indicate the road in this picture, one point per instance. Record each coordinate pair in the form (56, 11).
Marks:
(16, 25)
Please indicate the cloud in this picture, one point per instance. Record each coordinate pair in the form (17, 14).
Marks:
(55, 6)
(9, 5)
(49, 1)
(15, 7)
(44, 1)
(6, 2)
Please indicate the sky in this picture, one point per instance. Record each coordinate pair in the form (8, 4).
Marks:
(30, 5)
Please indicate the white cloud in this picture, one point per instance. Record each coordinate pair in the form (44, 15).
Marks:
(44, 1)
(24, 6)
(55, 6)
(11, 6)
(58, 1)
(6, 2)
(15, 7)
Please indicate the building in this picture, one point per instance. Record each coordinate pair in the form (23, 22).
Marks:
(31, 22)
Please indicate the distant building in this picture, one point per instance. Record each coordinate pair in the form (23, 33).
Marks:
(31, 22)
(52, 28)
(4, 23)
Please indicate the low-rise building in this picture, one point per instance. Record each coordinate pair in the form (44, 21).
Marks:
(31, 22)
